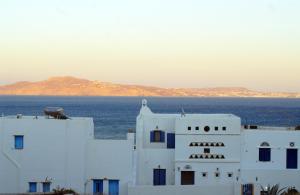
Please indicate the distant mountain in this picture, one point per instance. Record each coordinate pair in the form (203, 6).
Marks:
(70, 86)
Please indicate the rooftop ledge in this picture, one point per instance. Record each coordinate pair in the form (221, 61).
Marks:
(256, 127)
(20, 117)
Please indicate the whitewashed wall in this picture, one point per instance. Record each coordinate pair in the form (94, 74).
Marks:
(53, 150)
(110, 159)
(186, 190)
(273, 172)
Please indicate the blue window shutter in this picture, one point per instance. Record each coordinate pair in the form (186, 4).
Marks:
(151, 136)
(162, 177)
(98, 186)
(171, 140)
(19, 141)
(156, 177)
(264, 154)
(292, 158)
(113, 187)
(162, 136)
(32, 187)
(46, 187)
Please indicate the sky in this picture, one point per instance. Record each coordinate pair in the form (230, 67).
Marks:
(166, 43)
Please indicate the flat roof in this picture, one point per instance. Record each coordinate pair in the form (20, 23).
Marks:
(19, 117)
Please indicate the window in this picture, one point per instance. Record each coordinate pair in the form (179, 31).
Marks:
(157, 136)
(206, 128)
(230, 174)
(159, 177)
(204, 174)
(224, 128)
(46, 187)
(217, 174)
(189, 128)
(187, 177)
(171, 140)
(292, 158)
(32, 187)
(197, 128)
(206, 150)
(97, 186)
(216, 128)
(113, 187)
(19, 143)
(264, 154)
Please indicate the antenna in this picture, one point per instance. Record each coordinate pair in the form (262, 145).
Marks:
(182, 112)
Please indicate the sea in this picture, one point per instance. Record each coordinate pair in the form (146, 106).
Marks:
(114, 116)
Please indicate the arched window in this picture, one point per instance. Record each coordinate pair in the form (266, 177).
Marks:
(265, 152)
(265, 144)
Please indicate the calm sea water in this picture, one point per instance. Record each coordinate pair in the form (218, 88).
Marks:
(113, 116)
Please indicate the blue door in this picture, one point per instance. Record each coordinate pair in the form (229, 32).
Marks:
(171, 140)
(46, 186)
(32, 187)
(113, 188)
(247, 189)
(159, 177)
(292, 158)
(97, 186)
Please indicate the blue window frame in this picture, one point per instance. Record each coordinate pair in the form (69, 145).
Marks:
(46, 186)
(113, 187)
(97, 186)
(292, 158)
(157, 136)
(171, 140)
(264, 154)
(159, 177)
(19, 142)
(32, 187)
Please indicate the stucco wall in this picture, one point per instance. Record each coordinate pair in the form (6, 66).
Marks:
(180, 190)
(110, 159)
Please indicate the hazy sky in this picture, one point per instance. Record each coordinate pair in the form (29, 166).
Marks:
(168, 43)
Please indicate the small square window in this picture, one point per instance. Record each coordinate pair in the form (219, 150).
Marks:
(216, 128)
(224, 128)
(189, 128)
(217, 174)
(197, 128)
(206, 150)
(230, 174)
(204, 174)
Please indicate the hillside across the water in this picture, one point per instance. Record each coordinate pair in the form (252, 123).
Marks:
(70, 86)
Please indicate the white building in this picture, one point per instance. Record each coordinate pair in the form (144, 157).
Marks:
(169, 154)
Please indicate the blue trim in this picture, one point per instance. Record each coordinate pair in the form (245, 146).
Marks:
(152, 136)
(113, 187)
(159, 177)
(264, 154)
(171, 140)
(46, 186)
(19, 142)
(32, 187)
(97, 186)
(162, 136)
(292, 158)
